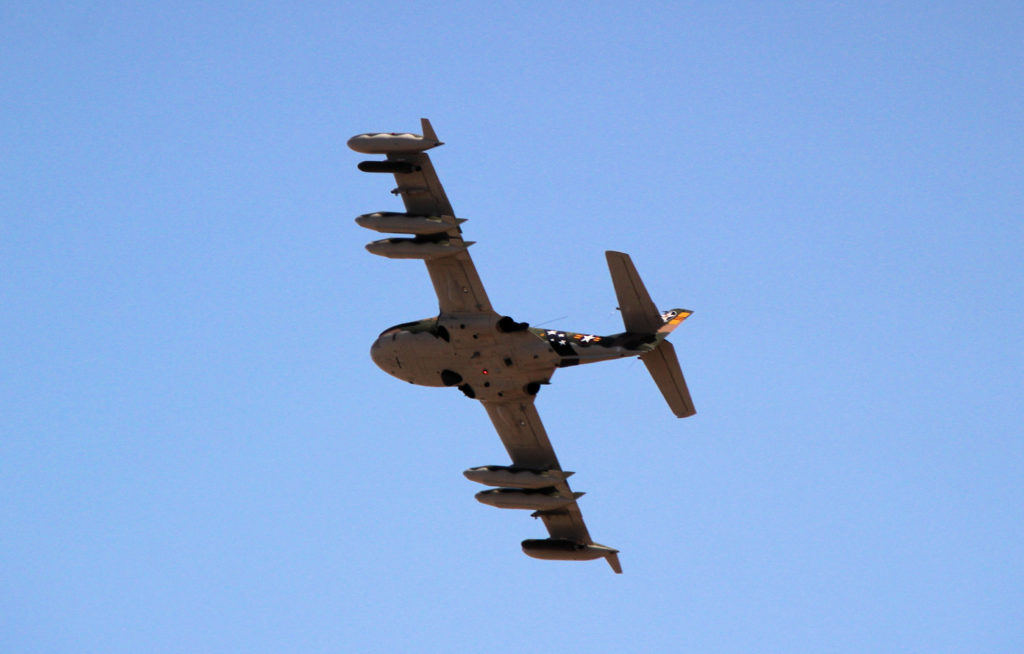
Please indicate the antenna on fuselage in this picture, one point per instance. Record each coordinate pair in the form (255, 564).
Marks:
(541, 324)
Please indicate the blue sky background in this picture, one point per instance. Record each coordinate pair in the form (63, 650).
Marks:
(197, 454)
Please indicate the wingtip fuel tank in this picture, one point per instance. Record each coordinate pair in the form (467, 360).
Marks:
(396, 142)
(563, 549)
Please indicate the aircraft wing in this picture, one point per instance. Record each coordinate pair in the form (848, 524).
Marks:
(458, 287)
(521, 431)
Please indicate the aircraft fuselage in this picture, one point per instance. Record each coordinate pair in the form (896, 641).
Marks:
(488, 358)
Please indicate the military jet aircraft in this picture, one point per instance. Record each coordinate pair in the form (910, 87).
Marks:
(497, 360)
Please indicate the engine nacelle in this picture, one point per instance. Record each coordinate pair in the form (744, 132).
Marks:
(409, 248)
(402, 223)
(563, 549)
(515, 477)
(534, 499)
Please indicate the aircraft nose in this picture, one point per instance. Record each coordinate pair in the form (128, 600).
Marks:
(382, 353)
(377, 353)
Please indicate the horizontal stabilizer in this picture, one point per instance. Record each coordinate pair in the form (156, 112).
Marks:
(663, 365)
(638, 312)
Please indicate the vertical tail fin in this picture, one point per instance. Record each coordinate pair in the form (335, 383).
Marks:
(642, 317)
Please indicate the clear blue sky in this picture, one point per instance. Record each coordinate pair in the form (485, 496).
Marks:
(197, 454)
